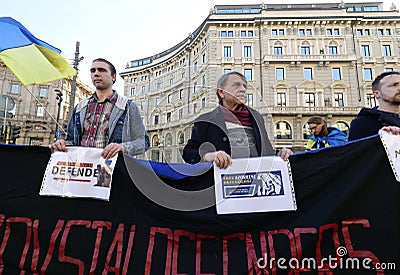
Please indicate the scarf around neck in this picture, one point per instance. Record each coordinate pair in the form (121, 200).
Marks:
(241, 116)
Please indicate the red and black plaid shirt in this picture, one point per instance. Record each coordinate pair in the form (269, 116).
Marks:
(95, 125)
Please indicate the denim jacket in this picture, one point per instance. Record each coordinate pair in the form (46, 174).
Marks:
(125, 125)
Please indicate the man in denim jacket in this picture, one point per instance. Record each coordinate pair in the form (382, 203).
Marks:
(105, 119)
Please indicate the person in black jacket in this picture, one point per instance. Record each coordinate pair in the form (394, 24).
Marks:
(386, 89)
(232, 130)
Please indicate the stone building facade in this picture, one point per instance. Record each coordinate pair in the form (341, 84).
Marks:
(300, 60)
(35, 107)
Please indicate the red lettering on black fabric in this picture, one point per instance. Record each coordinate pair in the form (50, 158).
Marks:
(99, 225)
(324, 269)
(177, 235)
(61, 254)
(129, 249)
(54, 236)
(350, 249)
(272, 249)
(36, 246)
(199, 237)
(225, 256)
(299, 249)
(252, 259)
(117, 242)
(170, 238)
(28, 223)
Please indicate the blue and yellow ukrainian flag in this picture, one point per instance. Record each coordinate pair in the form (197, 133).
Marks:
(32, 60)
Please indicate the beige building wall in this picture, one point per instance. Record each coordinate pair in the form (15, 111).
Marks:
(300, 59)
(36, 107)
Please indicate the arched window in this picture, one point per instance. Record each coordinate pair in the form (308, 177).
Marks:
(181, 138)
(155, 140)
(283, 130)
(333, 43)
(278, 48)
(343, 126)
(305, 48)
(168, 139)
(333, 47)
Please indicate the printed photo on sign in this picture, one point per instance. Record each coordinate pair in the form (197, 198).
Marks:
(80, 172)
(254, 185)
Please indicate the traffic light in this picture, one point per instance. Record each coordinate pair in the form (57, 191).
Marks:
(15, 132)
(2, 134)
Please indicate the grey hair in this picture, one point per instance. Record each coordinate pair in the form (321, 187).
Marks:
(224, 78)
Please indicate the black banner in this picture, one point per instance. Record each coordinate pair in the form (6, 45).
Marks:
(346, 222)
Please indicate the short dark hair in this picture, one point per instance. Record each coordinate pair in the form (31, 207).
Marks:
(376, 84)
(224, 78)
(112, 68)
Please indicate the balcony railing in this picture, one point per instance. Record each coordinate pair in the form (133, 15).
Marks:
(391, 59)
(248, 60)
(368, 59)
(289, 110)
(310, 57)
(229, 60)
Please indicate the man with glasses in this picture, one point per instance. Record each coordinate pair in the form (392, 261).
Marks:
(323, 135)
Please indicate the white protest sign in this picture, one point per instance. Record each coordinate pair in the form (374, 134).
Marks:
(254, 185)
(80, 172)
(391, 143)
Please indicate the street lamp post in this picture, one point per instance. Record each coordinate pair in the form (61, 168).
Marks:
(59, 100)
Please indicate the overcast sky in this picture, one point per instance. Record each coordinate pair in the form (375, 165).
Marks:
(119, 30)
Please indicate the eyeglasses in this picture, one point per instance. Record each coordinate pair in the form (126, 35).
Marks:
(314, 127)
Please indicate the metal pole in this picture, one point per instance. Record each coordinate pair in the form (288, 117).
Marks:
(73, 84)
(59, 100)
(5, 116)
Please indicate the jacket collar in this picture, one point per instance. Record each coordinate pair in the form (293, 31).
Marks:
(120, 104)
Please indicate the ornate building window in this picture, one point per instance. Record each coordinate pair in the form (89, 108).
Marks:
(227, 51)
(250, 100)
(14, 89)
(367, 74)
(338, 100)
(155, 141)
(281, 99)
(248, 73)
(40, 111)
(306, 131)
(308, 74)
(42, 92)
(181, 138)
(283, 130)
(247, 52)
(336, 75)
(168, 139)
(280, 73)
(309, 99)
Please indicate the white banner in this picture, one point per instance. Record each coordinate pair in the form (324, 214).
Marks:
(391, 143)
(80, 172)
(254, 185)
